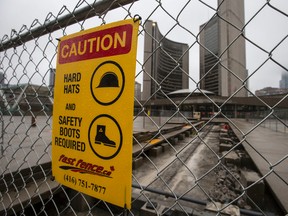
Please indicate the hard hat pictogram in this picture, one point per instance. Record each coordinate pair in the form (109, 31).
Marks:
(109, 79)
(107, 83)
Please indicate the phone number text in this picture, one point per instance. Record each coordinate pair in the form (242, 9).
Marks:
(84, 184)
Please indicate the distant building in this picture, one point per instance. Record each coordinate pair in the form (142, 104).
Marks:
(166, 64)
(137, 90)
(223, 53)
(21, 99)
(284, 80)
(52, 78)
(2, 79)
(271, 91)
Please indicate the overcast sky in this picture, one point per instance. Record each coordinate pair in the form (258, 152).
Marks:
(267, 29)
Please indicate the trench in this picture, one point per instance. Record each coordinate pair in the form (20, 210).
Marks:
(190, 176)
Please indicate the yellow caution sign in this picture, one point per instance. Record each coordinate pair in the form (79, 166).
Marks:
(93, 111)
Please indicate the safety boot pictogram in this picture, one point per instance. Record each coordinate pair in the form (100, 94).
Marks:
(102, 138)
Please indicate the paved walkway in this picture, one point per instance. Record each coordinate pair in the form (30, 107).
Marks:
(269, 151)
(25, 146)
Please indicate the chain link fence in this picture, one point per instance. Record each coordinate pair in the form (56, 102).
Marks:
(194, 152)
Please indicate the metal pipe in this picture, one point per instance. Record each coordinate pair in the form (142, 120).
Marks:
(188, 199)
(2, 134)
(98, 8)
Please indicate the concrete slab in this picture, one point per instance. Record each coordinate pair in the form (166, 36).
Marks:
(255, 192)
(232, 158)
(25, 145)
(184, 211)
(225, 140)
(225, 147)
(269, 151)
(81, 202)
(224, 135)
(149, 209)
(171, 136)
(181, 136)
(223, 130)
(156, 151)
(165, 147)
(137, 162)
(14, 200)
(228, 209)
(173, 140)
(246, 161)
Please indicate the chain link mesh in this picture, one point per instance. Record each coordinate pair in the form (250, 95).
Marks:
(200, 166)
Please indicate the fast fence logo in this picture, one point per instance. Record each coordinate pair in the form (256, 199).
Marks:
(82, 167)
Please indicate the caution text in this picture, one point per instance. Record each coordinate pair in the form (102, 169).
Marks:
(107, 42)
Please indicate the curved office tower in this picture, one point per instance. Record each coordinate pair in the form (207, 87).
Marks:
(222, 52)
(166, 64)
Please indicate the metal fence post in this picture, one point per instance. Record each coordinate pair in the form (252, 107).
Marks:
(2, 134)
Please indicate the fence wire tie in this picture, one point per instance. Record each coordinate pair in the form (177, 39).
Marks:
(137, 18)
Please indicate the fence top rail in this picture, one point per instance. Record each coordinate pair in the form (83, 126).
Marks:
(79, 15)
